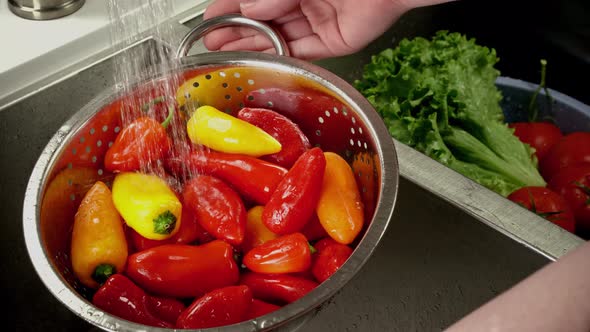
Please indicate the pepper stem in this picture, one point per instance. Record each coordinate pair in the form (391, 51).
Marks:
(312, 249)
(164, 223)
(102, 272)
(533, 109)
(146, 107)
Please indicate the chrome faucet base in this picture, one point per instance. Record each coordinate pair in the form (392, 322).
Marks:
(44, 10)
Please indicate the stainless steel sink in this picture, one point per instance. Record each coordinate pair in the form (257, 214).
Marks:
(448, 249)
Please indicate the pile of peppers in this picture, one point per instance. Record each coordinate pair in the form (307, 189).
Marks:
(249, 219)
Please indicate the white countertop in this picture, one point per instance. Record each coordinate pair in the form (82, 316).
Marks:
(32, 50)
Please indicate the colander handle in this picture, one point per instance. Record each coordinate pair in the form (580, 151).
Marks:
(211, 24)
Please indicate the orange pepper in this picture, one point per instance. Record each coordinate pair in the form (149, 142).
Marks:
(340, 209)
(256, 231)
(99, 246)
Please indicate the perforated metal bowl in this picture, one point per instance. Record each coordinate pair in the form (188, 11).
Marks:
(226, 80)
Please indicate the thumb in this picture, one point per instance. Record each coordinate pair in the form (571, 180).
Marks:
(267, 9)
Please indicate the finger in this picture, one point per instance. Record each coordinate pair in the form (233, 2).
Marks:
(295, 29)
(258, 42)
(269, 9)
(310, 48)
(214, 40)
(221, 7)
(409, 4)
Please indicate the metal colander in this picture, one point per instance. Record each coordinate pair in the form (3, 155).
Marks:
(73, 159)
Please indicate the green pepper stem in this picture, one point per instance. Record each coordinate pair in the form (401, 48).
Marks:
(312, 249)
(146, 107)
(164, 223)
(102, 272)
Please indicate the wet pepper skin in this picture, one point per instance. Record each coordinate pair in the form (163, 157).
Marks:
(184, 271)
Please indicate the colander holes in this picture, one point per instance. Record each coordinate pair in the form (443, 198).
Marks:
(82, 139)
(74, 151)
(269, 104)
(196, 85)
(250, 98)
(359, 143)
(70, 165)
(72, 197)
(241, 105)
(225, 85)
(110, 144)
(351, 142)
(364, 189)
(239, 89)
(344, 112)
(92, 131)
(70, 182)
(94, 159)
(105, 128)
(88, 149)
(360, 130)
(117, 129)
(318, 132)
(335, 110)
(99, 143)
(250, 82)
(353, 120)
(327, 113)
(208, 76)
(366, 147)
(262, 91)
(228, 97)
(222, 73)
(227, 110)
(100, 171)
(320, 119)
(237, 75)
(352, 130)
(187, 95)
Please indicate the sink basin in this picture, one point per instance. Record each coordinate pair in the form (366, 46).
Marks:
(444, 254)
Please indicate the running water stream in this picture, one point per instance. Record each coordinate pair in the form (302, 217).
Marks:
(133, 22)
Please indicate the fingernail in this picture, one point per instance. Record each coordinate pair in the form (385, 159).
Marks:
(247, 3)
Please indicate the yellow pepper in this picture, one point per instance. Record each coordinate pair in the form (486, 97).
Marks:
(340, 208)
(99, 246)
(256, 231)
(147, 204)
(219, 131)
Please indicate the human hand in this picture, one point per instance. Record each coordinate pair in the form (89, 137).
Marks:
(313, 29)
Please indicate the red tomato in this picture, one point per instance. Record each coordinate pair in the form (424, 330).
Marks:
(573, 184)
(572, 149)
(547, 204)
(539, 135)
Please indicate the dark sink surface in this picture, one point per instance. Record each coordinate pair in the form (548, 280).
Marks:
(434, 265)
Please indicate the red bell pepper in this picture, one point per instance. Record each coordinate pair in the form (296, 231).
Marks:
(166, 308)
(254, 178)
(223, 306)
(305, 107)
(190, 231)
(277, 288)
(260, 308)
(294, 200)
(218, 208)
(138, 144)
(313, 229)
(285, 254)
(329, 259)
(324, 243)
(293, 141)
(184, 271)
(119, 296)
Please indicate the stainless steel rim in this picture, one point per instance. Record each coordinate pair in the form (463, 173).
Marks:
(34, 12)
(207, 26)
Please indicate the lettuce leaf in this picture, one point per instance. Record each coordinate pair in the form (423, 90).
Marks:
(439, 96)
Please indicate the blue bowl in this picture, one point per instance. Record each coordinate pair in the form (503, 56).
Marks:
(566, 112)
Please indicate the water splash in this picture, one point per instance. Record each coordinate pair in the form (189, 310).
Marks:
(145, 40)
